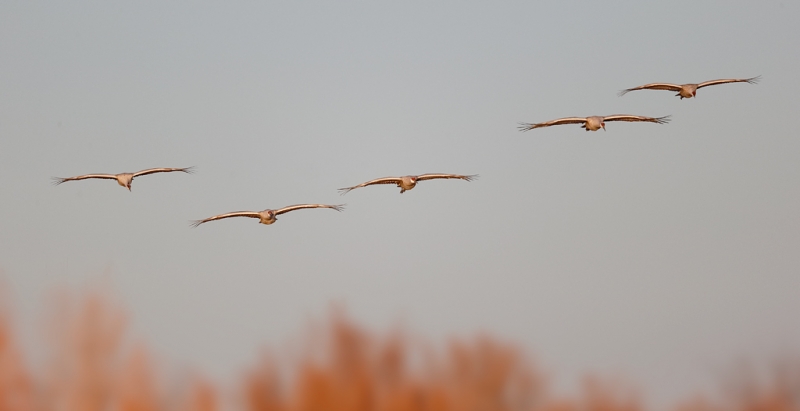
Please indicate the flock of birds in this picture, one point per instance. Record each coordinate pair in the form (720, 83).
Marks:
(405, 183)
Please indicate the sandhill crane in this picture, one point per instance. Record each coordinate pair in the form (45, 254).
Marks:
(593, 123)
(123, 179)
(267, 216)
(690, 90)
(407, 182)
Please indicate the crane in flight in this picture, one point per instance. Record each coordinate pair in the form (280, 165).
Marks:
(593, 123)
(408, 182)
(690, 90)
(267, 216)
(123, 179)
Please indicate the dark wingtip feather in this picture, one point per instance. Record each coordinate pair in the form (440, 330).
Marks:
(196, 223)
(338, 207)
(189, 170)
(343, 191)
(754, 80)
(623, 92)
(525, 126)
(663, 120)
(57, 180)
(471, 177)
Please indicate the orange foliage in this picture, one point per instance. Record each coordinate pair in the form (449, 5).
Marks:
(86, 345)
(137, 386)
(360, 373)
(344, 368)
(600, 395)
(202, 398)
(16, 390)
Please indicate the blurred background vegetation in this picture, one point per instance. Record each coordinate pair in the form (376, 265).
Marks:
(92, 365)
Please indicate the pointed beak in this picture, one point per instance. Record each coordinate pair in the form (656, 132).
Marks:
(603, 125)
(129, 188)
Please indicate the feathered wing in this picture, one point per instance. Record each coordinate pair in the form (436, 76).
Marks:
(384, 180)
(751, 80)
(628, 117)
(652, 86)
(163, 170)
(59, 180)
(251, 214)
(338, 207)
(436, 176)
(557, 122)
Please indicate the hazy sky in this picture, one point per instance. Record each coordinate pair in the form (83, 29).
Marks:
(658, 252)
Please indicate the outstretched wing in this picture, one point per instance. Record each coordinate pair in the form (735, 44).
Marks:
(557, 122)
(653, 86)
(163, 170)
(59, 180)
(338, 207)
(436, 176)
(384, 180)
(628, 117)
(751, 80)
(251, 214)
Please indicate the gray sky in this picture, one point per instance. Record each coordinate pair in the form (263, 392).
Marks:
(658, 252)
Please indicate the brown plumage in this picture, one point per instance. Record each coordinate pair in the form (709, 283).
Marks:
(267, 216)
(123, 179)
(593, 123)
(408, 182)
(690, 90)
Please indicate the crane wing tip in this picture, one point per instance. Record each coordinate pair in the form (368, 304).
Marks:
(526, 126)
